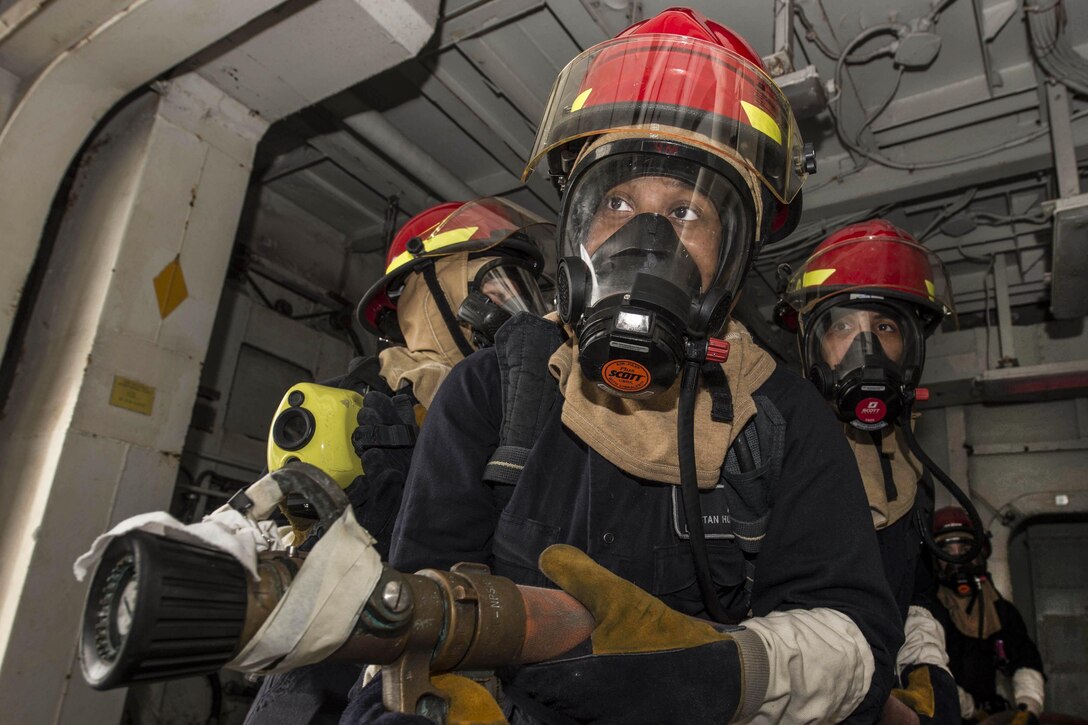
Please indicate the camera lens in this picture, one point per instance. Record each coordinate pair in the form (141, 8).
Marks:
(293, 429)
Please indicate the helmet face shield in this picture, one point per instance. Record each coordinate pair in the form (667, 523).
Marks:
(632, 215)
(679, 88)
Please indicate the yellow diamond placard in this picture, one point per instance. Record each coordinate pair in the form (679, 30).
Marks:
(170, 287)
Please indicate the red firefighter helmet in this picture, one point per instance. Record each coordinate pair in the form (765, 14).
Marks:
(679, 77)
(952, 523)
(875, 259)
(489, 227)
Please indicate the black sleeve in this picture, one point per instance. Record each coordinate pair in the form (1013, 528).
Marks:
(448, 513)
(1019, 647)
(821, 537)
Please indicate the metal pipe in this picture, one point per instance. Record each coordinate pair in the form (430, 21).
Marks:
(303, 289)
(780, 61)
(379, 132)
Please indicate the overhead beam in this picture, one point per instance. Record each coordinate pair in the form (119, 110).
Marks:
(365, 165)
(293, 161)
(481, 18)
(1061, 139)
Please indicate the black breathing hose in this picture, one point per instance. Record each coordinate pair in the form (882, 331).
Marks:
(689, 489)
(950, 485)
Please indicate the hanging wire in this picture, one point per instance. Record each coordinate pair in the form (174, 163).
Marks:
(1047, 36)
(389, 222)
(1053, 51)
(881, 108)
(811, 34)
(948, 212)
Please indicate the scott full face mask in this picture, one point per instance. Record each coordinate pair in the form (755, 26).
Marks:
(500, 289)
(655, 241)
(862, 354)
(955, 534)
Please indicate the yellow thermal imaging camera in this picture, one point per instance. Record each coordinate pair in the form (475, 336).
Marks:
(314, 424)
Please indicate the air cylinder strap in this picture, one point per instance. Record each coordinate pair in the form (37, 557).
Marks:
(523, 346)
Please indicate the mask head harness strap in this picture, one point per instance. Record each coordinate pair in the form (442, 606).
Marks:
(430, 276)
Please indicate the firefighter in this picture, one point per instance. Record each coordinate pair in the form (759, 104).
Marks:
(985, 633)
(646, 456)
(864, 302)
(453, 274)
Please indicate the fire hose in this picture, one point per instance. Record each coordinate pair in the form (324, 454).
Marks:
(163, 605)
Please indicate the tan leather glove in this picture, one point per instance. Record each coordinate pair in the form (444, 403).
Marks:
(470, 702)
(699, 674)
(930, 692)
(628, 618)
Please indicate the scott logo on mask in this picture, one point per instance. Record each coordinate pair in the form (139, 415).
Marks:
(871, 410)
(627, 376)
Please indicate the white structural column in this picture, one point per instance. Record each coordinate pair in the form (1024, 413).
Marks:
(164, 180)
(57, 108)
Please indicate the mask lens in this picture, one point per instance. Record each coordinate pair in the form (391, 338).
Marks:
(690, 226)
(851, 336)
(511, 288)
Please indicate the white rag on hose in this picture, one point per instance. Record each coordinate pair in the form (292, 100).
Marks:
(323, 603)
(241, 536)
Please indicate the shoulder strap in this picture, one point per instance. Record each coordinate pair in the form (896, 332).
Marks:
(523, 346)
(752, 466)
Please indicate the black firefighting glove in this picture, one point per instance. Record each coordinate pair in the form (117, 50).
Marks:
(469, 704)
(384, 442)
(645, 662)
(930, 692)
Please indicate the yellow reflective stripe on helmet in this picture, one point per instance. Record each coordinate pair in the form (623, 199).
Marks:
(816, 277)
(931, 290)
(433, 244)
(580, 100)
(761, 121)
